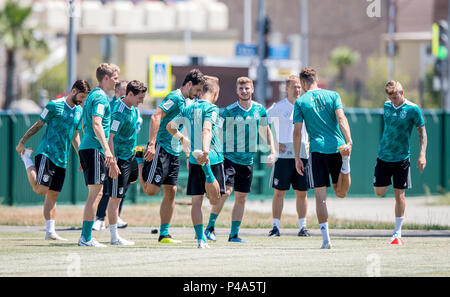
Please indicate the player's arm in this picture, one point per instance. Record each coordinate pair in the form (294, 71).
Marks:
(297, 139)
(422, 161)
(206, 143)
(76, 140)
(155, 122)
(32, 131)
(114, 170)
(100, 133)
(345, 128)
(266, 134)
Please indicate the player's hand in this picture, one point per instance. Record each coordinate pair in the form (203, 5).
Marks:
(421, 163)
(270, 160)
(20, 148)
(149, 153)
(80, 168)
(282, 147)
(203, 158)
(299, 166)
(109, 158)
(114, 170)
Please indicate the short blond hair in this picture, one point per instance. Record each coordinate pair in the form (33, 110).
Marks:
(244, 80)
(392, 87)
(106, 69)
(292, 78)
(211, 84)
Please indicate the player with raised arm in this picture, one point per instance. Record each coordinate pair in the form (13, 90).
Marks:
(206, 173)
(162, 154)
(95, 154)
(122, 140)
(284, 173)
(330, 143)
(241, 122)
(63, 119)
(393, 161)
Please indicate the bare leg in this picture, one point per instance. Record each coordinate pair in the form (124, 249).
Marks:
(343, 185)
(196, 210)
(277, 203)
(168, 203)
(302, 204)
(90, 208)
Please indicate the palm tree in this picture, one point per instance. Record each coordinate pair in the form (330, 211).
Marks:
(15, 36)
(342, 58)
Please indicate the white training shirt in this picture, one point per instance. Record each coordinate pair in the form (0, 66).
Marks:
(281, 116)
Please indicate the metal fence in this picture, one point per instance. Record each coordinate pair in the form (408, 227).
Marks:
(366, 128)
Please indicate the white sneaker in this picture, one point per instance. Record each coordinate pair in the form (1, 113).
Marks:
(121, 241)
(202, 244)
(99, 225)
(53, 236)
(121, 224)
(326, 245)
(92, 243)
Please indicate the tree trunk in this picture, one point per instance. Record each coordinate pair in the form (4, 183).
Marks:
(10, 69)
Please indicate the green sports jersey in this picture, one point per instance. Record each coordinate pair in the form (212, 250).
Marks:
(240, 131)
(173, 104)
(62, 121)
(115, 103)
(193, 118)
(316, 109)
(95, 104)
(123, 125)
(398, 124)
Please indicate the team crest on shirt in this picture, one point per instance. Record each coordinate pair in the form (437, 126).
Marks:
(239, 118)
(387, 113)
(256, 115)
(403, 114)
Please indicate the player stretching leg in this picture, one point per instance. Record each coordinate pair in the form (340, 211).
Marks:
(328, 130)
(162, 161)
(205, 159)
(63, 119)
(248, 118)
(94, 151)
(122, 140)
(284, 173)
(400, 116)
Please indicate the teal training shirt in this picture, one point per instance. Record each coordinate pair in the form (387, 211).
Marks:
(124, 122)
(96, 104)
(194, 117)
(398, 123)
(240, 131)
(62, 121)
(316, 109)
(173, 104)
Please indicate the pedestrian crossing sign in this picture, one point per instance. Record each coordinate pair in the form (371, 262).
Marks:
(160, 76)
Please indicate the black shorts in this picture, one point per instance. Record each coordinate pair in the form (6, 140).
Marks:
(324, 165)
(163, 169)
(284, 174)
(48, 174)
(238, 176)
(399, 172)
(117, 188)
(197, 179)
(93, 164)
